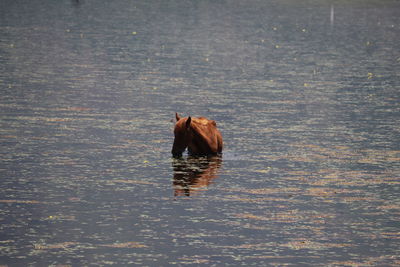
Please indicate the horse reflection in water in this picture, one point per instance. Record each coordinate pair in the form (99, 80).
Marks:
(194, 174)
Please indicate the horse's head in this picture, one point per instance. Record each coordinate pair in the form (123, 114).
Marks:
(183, 135)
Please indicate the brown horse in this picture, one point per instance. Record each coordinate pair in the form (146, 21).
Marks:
(199, 135)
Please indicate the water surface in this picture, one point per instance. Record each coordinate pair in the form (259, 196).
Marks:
(305, 94)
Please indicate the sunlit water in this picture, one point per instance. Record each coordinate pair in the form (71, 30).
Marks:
(305, 94)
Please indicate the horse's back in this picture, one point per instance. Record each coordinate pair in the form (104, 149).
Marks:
(204, 121)
(214, 134)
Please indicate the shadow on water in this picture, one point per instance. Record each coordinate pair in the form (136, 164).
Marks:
(194, 174)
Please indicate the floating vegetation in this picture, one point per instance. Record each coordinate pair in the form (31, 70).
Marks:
(307, 244)
(19, 201)
(124, 245)
(63, 245)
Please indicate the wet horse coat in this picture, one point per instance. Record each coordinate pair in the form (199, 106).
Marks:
(199, 135)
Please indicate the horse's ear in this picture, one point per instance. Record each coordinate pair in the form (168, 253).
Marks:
(177, 116)
(188, 121)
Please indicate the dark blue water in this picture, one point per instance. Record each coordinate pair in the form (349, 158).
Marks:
(306, 95)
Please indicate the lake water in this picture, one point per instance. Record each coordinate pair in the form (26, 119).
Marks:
(305, 93)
